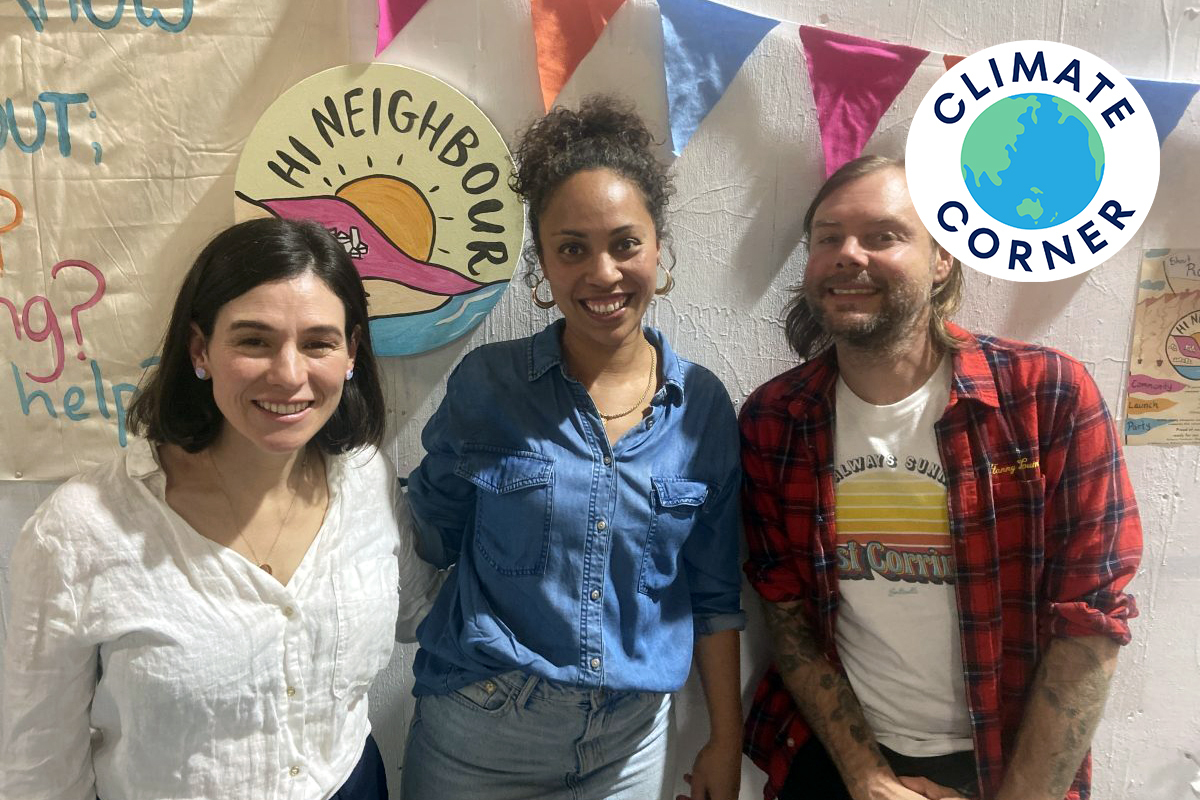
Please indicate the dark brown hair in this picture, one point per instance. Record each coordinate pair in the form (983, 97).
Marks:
(175, 407)
(605, 133)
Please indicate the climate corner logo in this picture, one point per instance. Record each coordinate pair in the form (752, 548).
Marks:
(1032, 161)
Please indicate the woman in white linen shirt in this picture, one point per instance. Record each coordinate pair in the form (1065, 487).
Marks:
(202, 618)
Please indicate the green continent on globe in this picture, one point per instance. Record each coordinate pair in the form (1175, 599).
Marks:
(1030, 208)
(1065, 112)
(986, 152)
(1040, 167)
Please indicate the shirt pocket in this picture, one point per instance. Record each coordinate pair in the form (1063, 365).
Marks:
(513, 507)
(676, 504)
(366, 598)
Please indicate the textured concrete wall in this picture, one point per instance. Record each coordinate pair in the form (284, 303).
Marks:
(742, 184)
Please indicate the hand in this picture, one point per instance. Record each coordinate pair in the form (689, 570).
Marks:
(888, 787)
(929, 789)
(717, 773)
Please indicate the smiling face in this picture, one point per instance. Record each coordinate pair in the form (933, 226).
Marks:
(278, 357)
(872, 265)
(599, 253)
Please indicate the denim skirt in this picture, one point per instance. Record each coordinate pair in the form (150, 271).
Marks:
(520, 737)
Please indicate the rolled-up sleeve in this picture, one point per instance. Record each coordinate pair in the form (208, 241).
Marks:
(48, 681)
(1093, 531)
(711, 560)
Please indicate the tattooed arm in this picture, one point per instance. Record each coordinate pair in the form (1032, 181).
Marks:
(1064, 707)
(829, 706)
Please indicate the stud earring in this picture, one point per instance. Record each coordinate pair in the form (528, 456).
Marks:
(350, 373)
(201, 373)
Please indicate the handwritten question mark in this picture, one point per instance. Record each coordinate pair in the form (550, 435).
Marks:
(18, 215)
(79, 308)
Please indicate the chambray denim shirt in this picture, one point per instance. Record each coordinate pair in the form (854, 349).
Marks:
(584, 563)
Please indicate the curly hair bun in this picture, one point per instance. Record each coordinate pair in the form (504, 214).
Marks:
(606, 132)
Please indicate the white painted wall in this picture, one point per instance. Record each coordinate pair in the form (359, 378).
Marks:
(743, 182)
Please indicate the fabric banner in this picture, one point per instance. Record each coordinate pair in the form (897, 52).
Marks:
(118, 145)
(704, 46)
(393, 16)
(564, 31)
(854, 81)
(1167, 101)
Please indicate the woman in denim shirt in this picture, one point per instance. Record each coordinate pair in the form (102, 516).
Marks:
(584, 482)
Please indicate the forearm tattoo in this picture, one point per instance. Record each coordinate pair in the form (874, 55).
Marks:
(823, 694)
(1074, 685)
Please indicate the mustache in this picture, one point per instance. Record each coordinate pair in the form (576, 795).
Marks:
(862, 280)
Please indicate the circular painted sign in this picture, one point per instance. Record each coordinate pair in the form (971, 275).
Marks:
(411, 177)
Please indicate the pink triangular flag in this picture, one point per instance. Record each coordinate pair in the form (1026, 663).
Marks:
(854, 81)
(564, 31)
(393, 16)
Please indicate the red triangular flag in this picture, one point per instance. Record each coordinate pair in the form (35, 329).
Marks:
(564, 31)
(854, 81)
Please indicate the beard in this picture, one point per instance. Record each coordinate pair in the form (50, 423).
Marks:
(903, 306)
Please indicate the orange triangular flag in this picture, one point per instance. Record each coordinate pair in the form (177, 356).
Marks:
(950, 60)
(564, 31)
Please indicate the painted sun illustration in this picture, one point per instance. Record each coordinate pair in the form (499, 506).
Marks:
(389, 228)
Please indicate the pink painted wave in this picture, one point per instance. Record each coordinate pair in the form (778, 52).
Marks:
(1188, 346)
(1145, 384)
(381, 258)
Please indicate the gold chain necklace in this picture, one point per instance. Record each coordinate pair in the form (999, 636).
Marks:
(645, 392)
(263, 563)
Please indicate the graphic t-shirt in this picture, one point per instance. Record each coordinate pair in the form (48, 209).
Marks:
(897, 628)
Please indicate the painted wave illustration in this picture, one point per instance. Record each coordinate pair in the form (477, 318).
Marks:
(378, 257)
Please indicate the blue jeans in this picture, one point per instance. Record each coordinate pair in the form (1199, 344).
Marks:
(520, 737)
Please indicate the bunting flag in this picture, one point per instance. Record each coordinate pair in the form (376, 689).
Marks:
(854, 81)
(1166, 100)
(564, 31)
(393, 16)
(704, 46)
(950, 60)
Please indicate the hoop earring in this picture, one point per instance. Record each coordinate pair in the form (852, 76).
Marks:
(537, 301)
(666, 288)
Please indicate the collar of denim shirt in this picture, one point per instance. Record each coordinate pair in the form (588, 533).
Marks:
(545, 351)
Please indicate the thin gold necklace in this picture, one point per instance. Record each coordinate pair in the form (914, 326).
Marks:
(263, 563)
(645, 392)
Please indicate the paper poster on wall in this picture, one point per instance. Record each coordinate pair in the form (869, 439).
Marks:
(1163, 404)
(411, 177)
(120, 126)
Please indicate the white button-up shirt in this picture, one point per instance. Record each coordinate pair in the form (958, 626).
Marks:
(144, 660)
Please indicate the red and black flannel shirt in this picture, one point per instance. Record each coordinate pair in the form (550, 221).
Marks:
(1043, 519)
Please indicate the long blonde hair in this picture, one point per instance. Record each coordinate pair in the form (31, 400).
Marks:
(805, 334)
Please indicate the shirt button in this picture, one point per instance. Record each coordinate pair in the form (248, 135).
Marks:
(287, 611)
(650, 423)
(294, 771)
(608, 461)
(291, 691)
(791, 742)
(601, 525)
(595, 663)
(595, 594)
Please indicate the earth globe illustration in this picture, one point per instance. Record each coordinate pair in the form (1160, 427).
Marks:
(1032, 161)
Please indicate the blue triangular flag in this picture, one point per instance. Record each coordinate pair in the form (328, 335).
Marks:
(704, 45)
(1167, 100)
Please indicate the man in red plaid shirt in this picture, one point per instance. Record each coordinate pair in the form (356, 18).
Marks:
(940, 525)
